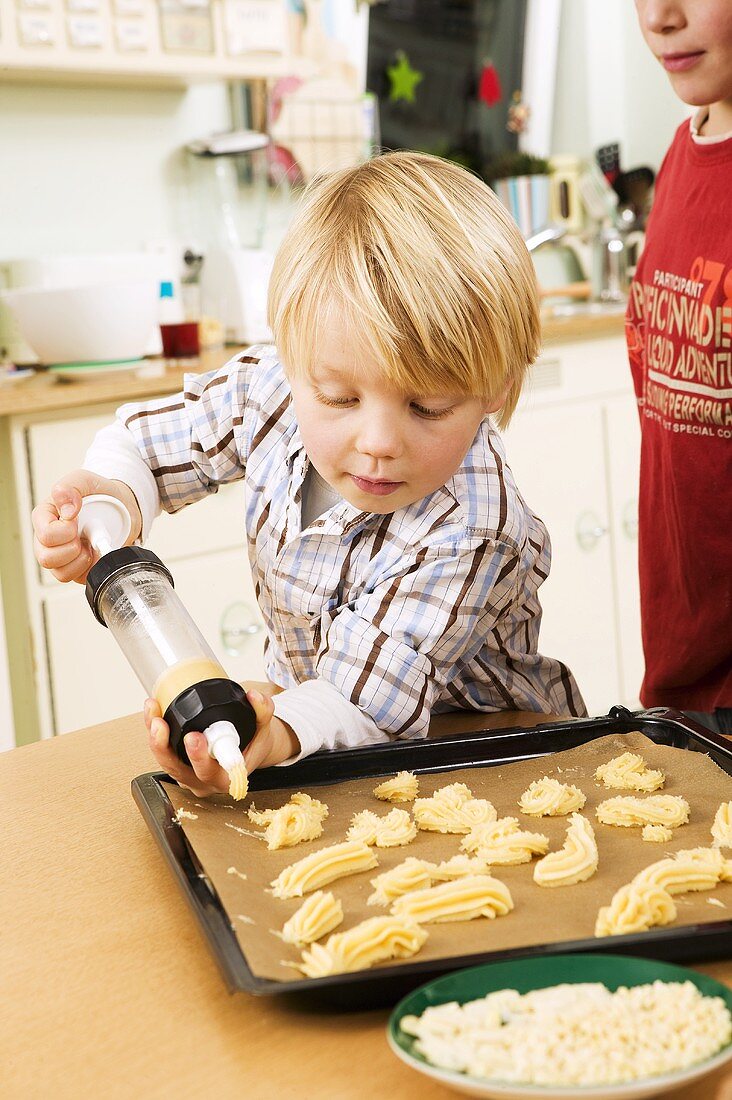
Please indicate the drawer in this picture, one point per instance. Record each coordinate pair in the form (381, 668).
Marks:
(90, 679)
(214, 523)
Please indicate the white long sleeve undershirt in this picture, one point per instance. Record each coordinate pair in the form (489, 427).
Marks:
(319, 715)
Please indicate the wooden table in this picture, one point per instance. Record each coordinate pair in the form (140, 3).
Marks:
(106, 985)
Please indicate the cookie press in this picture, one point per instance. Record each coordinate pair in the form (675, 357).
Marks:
(131, 592)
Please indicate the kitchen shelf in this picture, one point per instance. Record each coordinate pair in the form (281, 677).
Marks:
(107, 42)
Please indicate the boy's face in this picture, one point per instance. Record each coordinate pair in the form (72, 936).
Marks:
(381, 449)
(693, 41)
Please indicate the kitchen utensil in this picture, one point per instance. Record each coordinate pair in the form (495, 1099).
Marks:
(598, 197)
(608, 158)
(564, 199)
(525, 975)
(614, 251)
(131, 592)
(68, 270)
(491, 749)
(83, 324)
(229, 174)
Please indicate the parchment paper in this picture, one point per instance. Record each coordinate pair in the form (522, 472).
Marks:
(541, 914)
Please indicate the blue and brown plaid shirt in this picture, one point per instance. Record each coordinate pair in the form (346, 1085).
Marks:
(431, 608)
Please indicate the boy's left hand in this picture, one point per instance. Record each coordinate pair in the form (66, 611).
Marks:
(273, 742)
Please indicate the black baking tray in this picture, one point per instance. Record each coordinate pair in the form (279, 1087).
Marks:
(488, 748)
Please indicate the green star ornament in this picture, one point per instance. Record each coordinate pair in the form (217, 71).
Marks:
(404, 79)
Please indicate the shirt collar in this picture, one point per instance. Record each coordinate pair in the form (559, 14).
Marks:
(696, 123)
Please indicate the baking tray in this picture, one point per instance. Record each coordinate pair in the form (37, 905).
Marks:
(482, 748)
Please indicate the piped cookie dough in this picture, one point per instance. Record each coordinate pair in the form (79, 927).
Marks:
(301, 818)
(452, 809)
(317, 916)
(635, 908)
(549, 798)
(688, 870)
(391, 831)
(403, 787)
(420, 874)
(463, 899)
(722, 826)
(629, 772)
(374, 940)
(657, 834)
(504, 843)
(647, 900)
(323, 867)
(411, 874)
(576, 860)
(659, 809)
(458, 866)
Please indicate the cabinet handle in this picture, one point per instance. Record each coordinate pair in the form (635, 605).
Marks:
(239, 623)
(589, 530)
(629, 521)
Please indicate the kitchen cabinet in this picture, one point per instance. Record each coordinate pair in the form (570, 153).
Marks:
(573, 446)
(147, 41)
(6, 709)
(67, 670)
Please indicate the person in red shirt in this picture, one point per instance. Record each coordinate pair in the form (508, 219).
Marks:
(679, 333)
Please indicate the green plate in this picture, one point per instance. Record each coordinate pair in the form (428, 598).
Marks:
(538, 973)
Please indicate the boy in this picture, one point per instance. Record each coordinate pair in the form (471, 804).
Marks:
(395, 563)
(679, 328)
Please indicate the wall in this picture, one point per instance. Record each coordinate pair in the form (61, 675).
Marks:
(101, 168)
(96, 168)
(610, 87)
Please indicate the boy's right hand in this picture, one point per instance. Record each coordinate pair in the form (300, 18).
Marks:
(57, 544)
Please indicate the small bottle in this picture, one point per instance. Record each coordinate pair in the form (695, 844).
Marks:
(179, 336)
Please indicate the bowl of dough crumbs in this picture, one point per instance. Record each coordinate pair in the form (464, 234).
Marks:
(566, 1027)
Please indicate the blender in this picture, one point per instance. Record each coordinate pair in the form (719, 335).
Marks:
(131, 592)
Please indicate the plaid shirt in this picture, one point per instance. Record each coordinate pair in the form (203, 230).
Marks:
(430, 608)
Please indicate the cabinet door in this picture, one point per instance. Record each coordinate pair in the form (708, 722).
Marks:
(623, 442)
(90, 679)
(557, 456)
(7, 737)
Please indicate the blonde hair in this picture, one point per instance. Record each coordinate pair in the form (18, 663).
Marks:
(424, 264)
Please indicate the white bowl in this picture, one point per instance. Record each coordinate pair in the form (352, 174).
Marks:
(101, 323)
(538, 973)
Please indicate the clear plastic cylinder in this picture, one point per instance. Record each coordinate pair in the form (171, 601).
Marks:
(158, 637)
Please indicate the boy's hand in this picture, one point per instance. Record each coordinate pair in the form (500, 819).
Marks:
(57, 544)
(272, 743)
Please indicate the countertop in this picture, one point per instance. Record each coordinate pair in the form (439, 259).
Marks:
(107, 985)
(47, 391)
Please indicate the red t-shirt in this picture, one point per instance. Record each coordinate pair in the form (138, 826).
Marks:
(679, 333)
